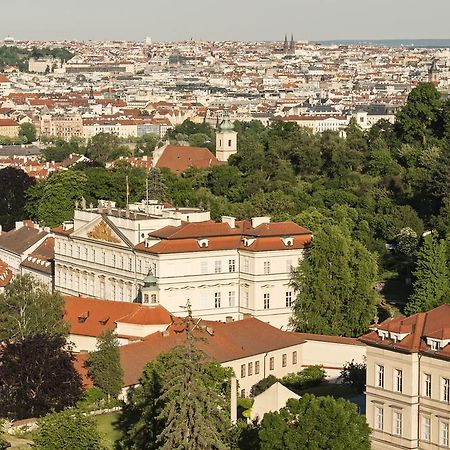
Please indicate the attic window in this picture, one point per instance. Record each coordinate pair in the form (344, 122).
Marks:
(247, 241)
(383, 334)
(288, 241)
(203, 243)
(83, 317)
(434, 344)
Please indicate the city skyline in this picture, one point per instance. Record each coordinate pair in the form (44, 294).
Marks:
(323, 20)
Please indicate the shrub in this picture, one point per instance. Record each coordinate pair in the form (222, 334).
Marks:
(262, 385)
(309, 377)
(354, 375)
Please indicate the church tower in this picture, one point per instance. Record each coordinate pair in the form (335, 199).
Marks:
(286, 45)
(433, 73)
(292, 45)
(226, 139)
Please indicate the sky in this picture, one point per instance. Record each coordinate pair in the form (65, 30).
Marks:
(246, 20)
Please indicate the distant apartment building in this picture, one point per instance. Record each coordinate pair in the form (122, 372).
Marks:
(64, 127)
(408, 381)
(5, 86)
(43, 65)
(318, 124)
(9, 128)
(226, 269)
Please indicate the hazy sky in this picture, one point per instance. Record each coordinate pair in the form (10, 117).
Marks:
(165, 20)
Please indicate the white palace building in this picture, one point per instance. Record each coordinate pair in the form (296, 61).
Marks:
(155, 254)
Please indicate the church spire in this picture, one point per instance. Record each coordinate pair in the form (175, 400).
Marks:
(292, 45)
(286, 45)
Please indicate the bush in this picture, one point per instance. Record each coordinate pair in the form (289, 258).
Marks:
(262, 385)
(354, 375)
(307, 378)
(67, 430)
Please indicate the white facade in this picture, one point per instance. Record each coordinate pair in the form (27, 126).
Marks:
(226, 144)
(107, 255)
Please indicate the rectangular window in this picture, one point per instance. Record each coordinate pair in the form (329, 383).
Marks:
(294, 357)
(284, 360)
(250, 369)
(232, 265)
(242, 393)
(271, 363)
(288, 299)
(398, 423)
(398, 381)
(444, 434)
(426, 428)
(231, 298)
(289, 266)
(246, 265)
(114, 260)
(379, 418)
(204, 266)
(130, 264)
(217, 299)
(242, 370)
(427, 384)
(380, 376)
(103, 257)
(446, 390)
(246, 299)
(256, 367)
(218, 266)
(266, 301)
(266, 267)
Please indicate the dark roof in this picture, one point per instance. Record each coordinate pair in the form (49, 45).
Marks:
(41, 260)
(17, 241)
(18, 150)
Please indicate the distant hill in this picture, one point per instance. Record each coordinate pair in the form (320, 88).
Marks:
(15, 56)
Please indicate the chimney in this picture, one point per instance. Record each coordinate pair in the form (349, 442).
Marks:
(246, 316)
(229, 319)
(229, 220)
(257, 221)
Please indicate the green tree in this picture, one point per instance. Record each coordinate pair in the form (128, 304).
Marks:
(432, 277)
(37, 375)
(335, 285)
(418, 120)
(53, 201)
(28, 131)
(194, 416)
(104, 364)
(315, 423)
(263, 385)
(142, 422)
(28, 308)
(67, 430)
(354, 375)
(105, 147)
(13, 186)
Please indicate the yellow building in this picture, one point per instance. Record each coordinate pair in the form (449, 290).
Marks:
(408, 381)
(9, 128)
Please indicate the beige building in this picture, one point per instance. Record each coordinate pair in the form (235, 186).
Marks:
(64, 127)
(226, 269)
(9, 128)
(408, 382)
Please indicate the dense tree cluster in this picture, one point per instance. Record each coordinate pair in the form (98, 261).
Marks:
(11, 55)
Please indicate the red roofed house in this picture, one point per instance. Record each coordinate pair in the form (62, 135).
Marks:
(252, 348)
(9, 128)
(408, 381)
(89, 317)
(5, 86)
(179, 158)
(225, 269)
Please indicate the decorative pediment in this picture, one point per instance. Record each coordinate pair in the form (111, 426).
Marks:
(103, 232)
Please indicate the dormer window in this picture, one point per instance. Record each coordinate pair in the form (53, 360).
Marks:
(203, 243)
(83, 317)
(247, 241)
(435, 345)
(288, 241)
(383, 334)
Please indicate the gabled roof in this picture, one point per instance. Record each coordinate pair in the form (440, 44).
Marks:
(17, 241)
(179, 158)
(223, 342)
(41, 259)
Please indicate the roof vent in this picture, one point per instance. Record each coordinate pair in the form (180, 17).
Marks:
(247, 241)
(210, 331)
(68, 225)
(229, 220)
(83, 317)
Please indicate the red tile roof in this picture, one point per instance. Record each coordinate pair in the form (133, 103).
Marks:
(432, 324)
(5, 274)
(178, 158)
(101, 315)
(226, 342)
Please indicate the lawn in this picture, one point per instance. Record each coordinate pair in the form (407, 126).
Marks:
(106, 425)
